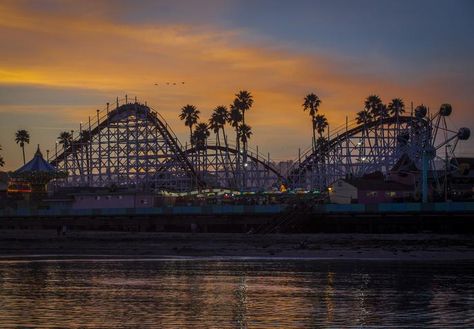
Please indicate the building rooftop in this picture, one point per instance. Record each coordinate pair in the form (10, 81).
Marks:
(38, 163)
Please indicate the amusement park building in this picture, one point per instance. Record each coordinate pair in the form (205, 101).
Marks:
(369, 190)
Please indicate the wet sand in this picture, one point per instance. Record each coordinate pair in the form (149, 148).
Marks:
(46, 244)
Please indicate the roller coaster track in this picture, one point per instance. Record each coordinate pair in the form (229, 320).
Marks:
(341, 135)
(250, 155)
(124, 111)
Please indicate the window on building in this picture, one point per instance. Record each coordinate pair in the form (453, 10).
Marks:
(371, 194)
(390, 194)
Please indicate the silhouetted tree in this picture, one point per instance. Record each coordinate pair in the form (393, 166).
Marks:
(321, 123)
(219, 118)
(321, 145)
(396, 107)
(22, 137)
(190, 116)
(363, 117)
(245, 132)
(372, 105)
(311, 104)
(244, 101)
(383, 111)
(65, 139)
(235, 118)
(200, 135)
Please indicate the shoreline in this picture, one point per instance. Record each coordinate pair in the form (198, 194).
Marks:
(45, 244)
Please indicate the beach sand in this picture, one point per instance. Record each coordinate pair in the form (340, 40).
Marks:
(47, 244)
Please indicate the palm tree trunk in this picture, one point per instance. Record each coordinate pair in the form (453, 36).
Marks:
(238, 156)
(243, 122)
(23, 149)
(193, 157)
(244, 160)
(218, 142)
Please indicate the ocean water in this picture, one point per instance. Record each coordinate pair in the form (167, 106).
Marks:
(235, 293)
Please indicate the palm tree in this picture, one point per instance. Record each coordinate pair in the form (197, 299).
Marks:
(321, 123)
(235, 118)
(200, 135)
(372, 104)
(244, 100)
(396, 107)
(312, 103)
(321, 145)
(65, 139)
(363, 116)
(218, 119)
(382, 111)
(2, 162)
(199, 138)
(245, 133)
(190, 115)
(21, 137)
(322, 153)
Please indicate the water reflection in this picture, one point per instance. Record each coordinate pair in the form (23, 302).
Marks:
(328, 297)
(235, 294)
(240, 313)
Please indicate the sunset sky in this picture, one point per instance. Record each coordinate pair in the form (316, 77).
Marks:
(61, 60)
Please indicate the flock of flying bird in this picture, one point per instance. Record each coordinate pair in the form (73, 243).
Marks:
(170, 83)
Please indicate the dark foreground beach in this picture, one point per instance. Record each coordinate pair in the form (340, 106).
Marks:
(47, 243)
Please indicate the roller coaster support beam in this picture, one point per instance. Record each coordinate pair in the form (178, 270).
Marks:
(424, 183)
